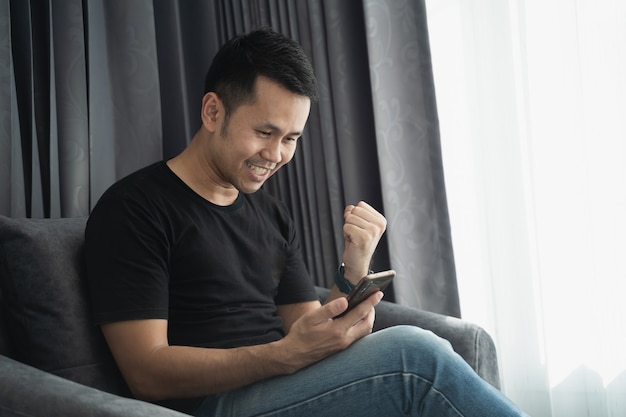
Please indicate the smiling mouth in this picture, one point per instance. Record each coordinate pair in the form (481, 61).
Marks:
(259, 170)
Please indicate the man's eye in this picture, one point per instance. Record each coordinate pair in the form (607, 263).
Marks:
(264, 133)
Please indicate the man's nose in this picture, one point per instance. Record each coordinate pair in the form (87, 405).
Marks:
(272, 152)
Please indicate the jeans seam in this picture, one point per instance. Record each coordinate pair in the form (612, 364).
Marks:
(445, 400)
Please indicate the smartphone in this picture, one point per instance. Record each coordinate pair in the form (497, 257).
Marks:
(368, 286)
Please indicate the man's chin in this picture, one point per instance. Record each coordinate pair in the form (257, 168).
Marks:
(250, 188)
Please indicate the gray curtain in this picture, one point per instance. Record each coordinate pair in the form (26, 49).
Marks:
(92, 90)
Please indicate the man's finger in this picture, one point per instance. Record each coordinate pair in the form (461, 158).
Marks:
(333, 308)
(364, 308)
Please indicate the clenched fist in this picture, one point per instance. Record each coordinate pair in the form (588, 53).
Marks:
(363, 227)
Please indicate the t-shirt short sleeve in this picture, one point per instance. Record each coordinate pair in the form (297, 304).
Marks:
(127, 268)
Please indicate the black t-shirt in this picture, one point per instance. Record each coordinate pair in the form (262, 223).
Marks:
(157, 250)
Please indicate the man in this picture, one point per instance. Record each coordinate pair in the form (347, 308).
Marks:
(201, 292)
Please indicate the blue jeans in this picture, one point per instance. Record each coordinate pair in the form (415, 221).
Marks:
(400, 371)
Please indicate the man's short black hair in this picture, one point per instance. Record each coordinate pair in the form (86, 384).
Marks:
(262, 52)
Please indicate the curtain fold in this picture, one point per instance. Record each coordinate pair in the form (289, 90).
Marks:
(23, 78)
(93, 90)
(69, 31)
(7, 148)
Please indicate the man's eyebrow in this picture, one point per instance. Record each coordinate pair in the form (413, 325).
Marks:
(272, 126)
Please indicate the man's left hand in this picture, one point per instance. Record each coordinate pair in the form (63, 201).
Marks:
(363, 227)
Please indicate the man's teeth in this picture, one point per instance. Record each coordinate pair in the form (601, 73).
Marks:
(258, 170)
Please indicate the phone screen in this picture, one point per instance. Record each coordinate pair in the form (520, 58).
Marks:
(368, 286)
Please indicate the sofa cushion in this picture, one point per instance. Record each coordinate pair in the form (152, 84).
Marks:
(44, 302)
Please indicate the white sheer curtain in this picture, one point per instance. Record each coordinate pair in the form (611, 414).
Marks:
(532, 105)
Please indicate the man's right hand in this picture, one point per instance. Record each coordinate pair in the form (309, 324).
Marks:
(317, 334)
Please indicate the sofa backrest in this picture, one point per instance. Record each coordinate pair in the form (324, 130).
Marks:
(44, 316)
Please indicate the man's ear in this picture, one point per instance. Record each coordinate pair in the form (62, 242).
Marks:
(212, 111)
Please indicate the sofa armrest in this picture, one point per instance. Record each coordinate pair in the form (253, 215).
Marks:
(470, 341)
(27, 391)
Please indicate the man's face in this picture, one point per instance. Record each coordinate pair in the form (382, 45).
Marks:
(260, 137)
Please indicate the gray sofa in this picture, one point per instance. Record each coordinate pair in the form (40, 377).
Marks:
(54, 362)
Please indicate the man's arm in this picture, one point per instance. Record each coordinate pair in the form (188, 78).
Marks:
(289, 313)
(154, 370)
(362, 230)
